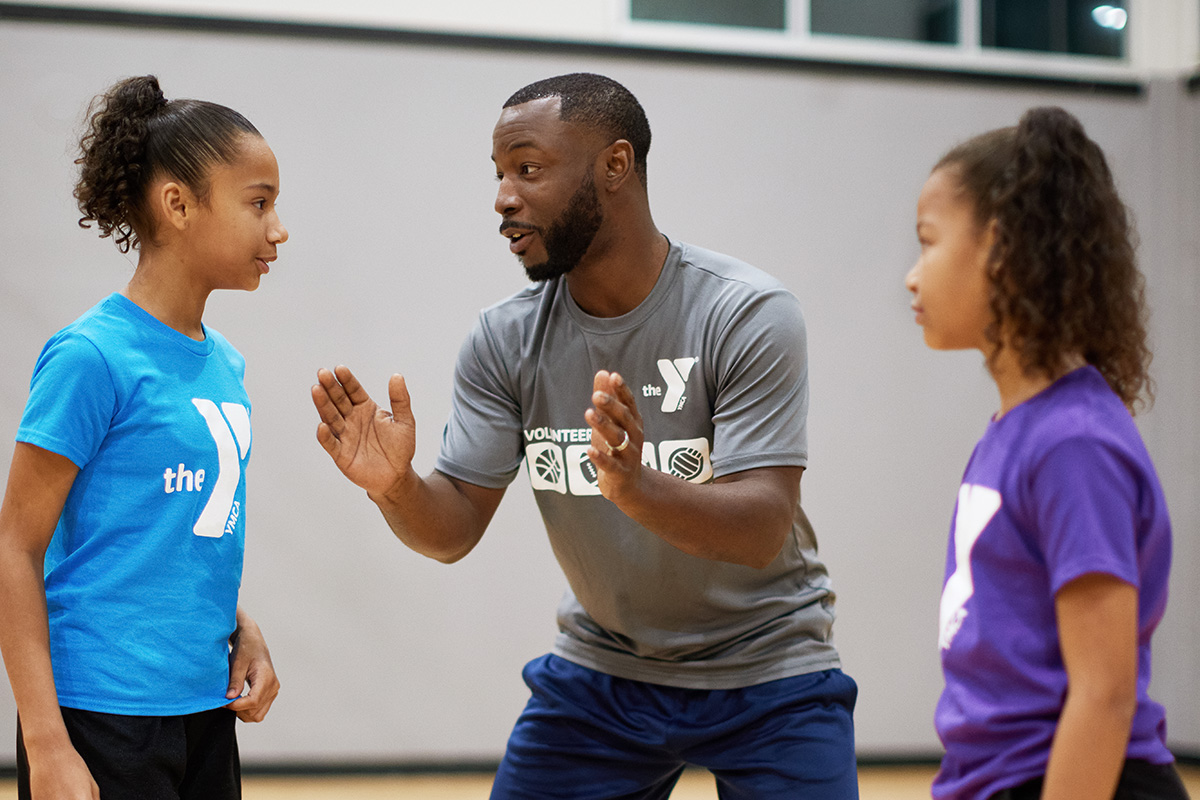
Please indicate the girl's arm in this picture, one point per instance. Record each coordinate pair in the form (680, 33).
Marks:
(1098, 632)
(38, 484)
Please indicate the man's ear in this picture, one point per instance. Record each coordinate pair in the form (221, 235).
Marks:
(617, 165)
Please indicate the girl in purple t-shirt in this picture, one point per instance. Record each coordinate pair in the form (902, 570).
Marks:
(1060, 548)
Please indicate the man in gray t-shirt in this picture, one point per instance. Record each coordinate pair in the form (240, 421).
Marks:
(657, 394)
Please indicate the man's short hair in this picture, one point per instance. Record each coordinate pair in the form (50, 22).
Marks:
(599, 103)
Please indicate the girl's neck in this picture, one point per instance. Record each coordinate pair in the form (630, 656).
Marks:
(1016, 385)
(160, 287)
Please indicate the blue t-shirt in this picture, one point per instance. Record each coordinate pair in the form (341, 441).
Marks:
(143, 570)
(1059, 487)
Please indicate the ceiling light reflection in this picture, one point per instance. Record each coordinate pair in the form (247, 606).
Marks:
(1110, 17)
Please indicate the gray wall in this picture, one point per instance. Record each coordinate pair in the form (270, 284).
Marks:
(387, 192)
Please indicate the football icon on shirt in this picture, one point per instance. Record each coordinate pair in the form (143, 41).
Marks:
(582, 477)
(587, 469)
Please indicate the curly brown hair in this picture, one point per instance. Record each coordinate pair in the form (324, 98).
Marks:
(1064, 277)
(134, 135)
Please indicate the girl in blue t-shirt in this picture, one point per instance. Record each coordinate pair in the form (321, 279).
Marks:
(122, 526)
(1059, 554)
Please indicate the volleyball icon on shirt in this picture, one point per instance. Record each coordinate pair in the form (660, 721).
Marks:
(687, 459)
(686, 463)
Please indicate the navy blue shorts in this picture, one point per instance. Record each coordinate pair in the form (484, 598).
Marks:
(585, 734)
(189, 757)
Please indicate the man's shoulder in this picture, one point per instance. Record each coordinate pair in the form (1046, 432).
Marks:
(515, 317)
(518, 304)
(704, 265)
(734, 290)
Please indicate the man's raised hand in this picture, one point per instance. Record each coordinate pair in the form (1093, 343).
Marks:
(617, 435)
(372, 447)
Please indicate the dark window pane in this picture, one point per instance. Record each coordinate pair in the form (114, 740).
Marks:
(1094, 33)
(743, 13)
(1081, 27)
(914, 20)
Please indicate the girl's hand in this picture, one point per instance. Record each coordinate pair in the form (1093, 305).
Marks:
(250, 664)
(61, 774)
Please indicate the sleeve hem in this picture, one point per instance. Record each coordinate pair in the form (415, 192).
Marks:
(1101, 568)
(53, 445)
(462, 473)
(728, 466)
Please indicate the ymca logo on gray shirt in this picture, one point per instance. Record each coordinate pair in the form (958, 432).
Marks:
(675, 372)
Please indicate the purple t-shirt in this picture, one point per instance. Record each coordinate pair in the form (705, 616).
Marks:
(1059, 487)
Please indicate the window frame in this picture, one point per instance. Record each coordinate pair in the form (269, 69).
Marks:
(799, 43)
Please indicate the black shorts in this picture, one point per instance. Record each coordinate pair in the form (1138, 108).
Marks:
(1140, 780)
(188, 757)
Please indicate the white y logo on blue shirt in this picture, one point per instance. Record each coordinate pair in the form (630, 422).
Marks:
(232, 439)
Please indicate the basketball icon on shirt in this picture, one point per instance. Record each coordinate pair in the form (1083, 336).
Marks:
(546, 467)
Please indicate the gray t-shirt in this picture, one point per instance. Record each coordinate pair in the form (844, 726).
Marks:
(716, 357)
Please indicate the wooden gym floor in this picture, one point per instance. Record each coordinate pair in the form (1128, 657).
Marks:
(875, 783)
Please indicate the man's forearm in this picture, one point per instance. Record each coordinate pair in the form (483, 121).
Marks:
(433, 517)
(744, 520)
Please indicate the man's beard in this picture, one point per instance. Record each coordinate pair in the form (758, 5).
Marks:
(568, 238)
